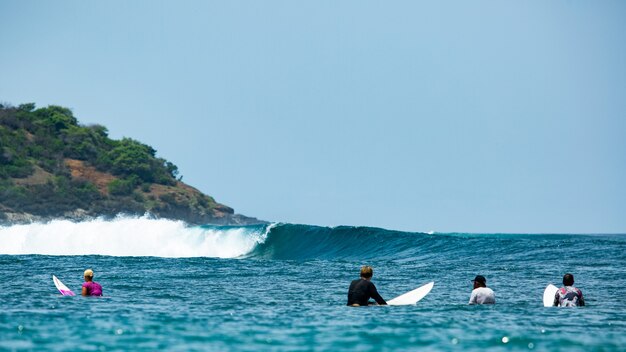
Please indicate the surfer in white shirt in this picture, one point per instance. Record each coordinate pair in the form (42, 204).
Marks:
(481, 294)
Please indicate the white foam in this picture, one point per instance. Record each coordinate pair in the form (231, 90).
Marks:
(129, 236)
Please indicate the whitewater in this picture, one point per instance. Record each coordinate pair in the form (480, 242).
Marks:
(172, 286)
(130, 236)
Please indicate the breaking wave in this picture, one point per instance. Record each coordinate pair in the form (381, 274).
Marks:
(143, 236)
(130, 236)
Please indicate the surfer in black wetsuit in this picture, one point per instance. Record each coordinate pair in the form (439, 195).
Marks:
(363, 289)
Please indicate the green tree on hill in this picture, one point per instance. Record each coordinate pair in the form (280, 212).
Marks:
(130, 157)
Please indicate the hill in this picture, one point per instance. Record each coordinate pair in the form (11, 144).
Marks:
(53, 167)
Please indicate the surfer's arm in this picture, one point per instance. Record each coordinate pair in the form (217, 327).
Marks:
(84, 291)
(581, 300)
(472, 298)
(376, 296)
(556, 299)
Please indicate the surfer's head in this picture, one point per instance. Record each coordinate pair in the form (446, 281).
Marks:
(480, 281)
(367, 272)
(88, 274)
(568, 279)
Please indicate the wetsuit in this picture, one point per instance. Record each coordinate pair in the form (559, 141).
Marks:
(361, 291)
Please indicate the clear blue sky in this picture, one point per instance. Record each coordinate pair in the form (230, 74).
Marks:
(473, 116)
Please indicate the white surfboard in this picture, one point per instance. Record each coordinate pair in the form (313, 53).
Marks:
(61, 287)
(548, 295)
(412, 297)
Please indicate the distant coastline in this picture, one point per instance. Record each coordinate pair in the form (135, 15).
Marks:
(80, 215)
(52, 167)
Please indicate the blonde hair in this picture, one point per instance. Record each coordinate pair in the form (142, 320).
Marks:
(366, 271)
(89, 273)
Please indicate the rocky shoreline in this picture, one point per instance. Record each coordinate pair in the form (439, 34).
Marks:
(80, 215)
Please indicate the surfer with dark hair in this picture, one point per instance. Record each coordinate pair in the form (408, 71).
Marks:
(361, 290)
(568, 296)
(481, 294)
(90, 287)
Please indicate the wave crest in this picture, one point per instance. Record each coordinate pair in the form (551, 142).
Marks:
(130, 236)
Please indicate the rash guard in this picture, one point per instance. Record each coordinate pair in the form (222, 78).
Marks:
(569, 296)
(93, 288)
(361, 291)
(482, 295)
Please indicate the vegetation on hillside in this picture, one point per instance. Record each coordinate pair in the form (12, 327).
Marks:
(50, 166)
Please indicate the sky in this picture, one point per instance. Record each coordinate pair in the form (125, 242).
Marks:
(449, 116)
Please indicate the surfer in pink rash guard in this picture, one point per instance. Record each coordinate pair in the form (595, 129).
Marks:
(90, 287)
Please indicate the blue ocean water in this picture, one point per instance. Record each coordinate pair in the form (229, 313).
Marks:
(283, 287)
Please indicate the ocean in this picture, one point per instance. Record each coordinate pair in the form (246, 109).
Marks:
(284, 287)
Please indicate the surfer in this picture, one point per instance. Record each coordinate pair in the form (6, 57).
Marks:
(568, 296)
(363, 289)
(90, 287)
(481, 294)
